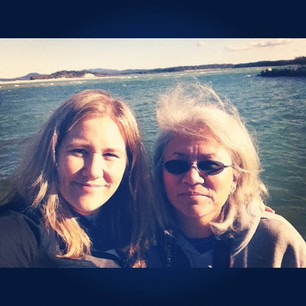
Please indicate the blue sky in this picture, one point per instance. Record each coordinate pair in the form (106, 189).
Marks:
(19, 57)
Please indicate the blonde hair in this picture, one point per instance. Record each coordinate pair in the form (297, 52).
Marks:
(129, 212)
(197, 111)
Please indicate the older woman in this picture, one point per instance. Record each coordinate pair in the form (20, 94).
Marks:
(82, 197)
(207, 168)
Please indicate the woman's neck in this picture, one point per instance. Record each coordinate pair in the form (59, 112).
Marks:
(194, 227)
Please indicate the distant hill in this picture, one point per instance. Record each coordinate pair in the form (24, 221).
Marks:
(100, 72)
(104, 71)
(68, 74)
(25, 77)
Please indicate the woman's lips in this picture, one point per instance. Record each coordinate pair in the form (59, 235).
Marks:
(89, 186)
(192, 194)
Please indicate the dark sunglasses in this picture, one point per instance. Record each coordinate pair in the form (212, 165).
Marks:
(208, 167)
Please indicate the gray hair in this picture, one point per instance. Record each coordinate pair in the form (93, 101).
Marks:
(197, 111)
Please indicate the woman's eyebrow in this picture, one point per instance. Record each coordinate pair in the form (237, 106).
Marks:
(180, 154)
(112, 149)
(76, 142)
(82, 144)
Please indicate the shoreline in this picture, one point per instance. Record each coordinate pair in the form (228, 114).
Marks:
(126, 76)
(53, 80)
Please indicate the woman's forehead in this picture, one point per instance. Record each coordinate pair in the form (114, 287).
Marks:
(202, 139)
(185, 146)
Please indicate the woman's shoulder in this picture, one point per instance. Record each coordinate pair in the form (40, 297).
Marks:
(19, 240)
(14, 216)
(279, 228)
(273, 220)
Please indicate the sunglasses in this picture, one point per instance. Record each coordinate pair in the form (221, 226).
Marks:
(208, 167)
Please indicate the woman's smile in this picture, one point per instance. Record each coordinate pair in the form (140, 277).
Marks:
(89, 187)
(192, 194)
(92, 161)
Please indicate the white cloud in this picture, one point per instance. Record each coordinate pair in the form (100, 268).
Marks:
(201, 43)
(270, 43)
(255, 44)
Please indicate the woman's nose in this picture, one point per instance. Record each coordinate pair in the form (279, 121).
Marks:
(193, 176)
(93, 167)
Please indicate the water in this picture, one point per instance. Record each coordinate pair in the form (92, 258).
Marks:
(275, 108)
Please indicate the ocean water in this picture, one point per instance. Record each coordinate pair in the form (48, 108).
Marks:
(273, 107)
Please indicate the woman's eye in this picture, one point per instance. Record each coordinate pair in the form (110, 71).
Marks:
(78, 152)
(111, 155)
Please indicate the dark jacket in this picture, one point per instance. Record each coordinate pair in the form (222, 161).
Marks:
(269, 241)
(25, 243)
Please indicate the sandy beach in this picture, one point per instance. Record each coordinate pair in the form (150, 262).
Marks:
(89, 77)
(54, 80)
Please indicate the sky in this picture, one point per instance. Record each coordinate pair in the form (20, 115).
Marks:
(19, 57)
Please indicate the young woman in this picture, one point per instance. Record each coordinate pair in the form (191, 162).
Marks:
(83, 194)
(207, 169)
